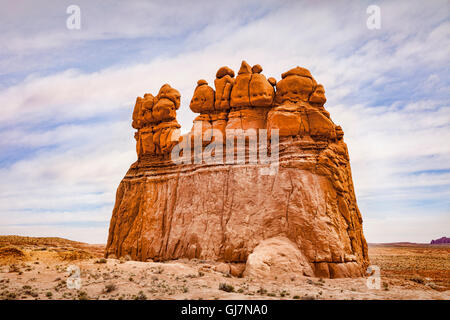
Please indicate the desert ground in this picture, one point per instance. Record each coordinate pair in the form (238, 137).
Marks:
(47, 268)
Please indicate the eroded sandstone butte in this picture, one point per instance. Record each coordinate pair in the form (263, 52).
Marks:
(295, 215)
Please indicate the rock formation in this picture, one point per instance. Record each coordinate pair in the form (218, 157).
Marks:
(440, 240)
(295, 214)
(156, 123)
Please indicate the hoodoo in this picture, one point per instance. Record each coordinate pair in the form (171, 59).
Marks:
(294, 214)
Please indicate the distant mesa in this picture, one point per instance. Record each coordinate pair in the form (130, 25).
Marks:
(440, 240)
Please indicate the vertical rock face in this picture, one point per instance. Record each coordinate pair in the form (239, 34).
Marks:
(297, 217)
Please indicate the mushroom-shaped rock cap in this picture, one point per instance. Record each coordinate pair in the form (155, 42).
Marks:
(240, 92)
(148, 102)
(203, 99)
(251, 88)
(257, 68)
(167, 92)
(222, 72)
(296, 85)
(297, 71)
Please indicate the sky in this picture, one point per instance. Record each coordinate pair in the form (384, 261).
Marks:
(67, 97)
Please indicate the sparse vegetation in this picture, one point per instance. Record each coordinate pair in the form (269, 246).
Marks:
(14, 268)
(140, 296)
(163, 280)
(261, 291)
(284, 293)
(110, 288)
(82, 295)
(226, 287)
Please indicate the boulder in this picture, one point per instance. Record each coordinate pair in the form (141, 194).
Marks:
(223, 83)
(240, 91)
(277, 258)
(296, 85)
(203, 99)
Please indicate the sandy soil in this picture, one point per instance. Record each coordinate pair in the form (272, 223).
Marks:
(37, 268)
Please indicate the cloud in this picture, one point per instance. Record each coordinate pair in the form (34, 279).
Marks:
(66, 134)
(418, 229)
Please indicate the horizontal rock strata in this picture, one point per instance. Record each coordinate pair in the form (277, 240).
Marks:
(299, 217)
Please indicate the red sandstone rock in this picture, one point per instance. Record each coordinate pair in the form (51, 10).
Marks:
(300, 111)
(246, 119)
(277, 257)
(155, 119)
(223, 268)
(318, 99)
(296, 85)
(219, 122)
(202, 129)
(251, 88)
(318, 96)
(303, 219)
(240, 92)
(261, 91)
(237, 269)
(203, 102)
(203, 99)
(137, 114)
(223, 83)
(288, 120)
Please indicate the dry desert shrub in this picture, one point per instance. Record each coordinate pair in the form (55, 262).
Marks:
(14, 268)
(140, 296)
(226, 287)
(110, 288)
(102, 260)
(82, 295)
